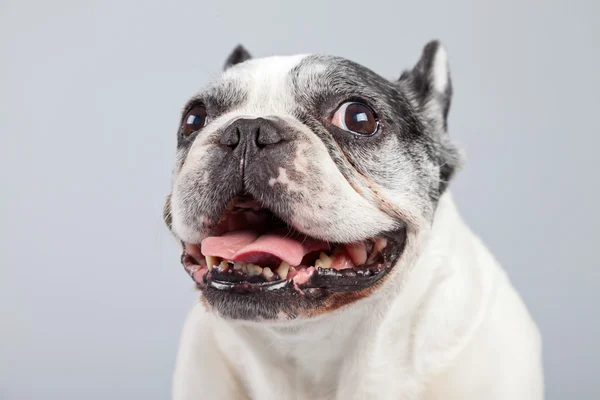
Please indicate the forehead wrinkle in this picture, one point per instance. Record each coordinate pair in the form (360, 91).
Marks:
(321, 78)
(264, 85)
(219, 96)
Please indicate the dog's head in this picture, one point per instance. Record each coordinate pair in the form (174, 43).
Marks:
(302, 182)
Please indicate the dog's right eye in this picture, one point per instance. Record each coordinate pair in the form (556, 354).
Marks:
(194, 120)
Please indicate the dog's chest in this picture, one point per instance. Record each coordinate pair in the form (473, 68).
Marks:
(329, 364)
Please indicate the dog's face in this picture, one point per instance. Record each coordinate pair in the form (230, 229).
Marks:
(301, 181)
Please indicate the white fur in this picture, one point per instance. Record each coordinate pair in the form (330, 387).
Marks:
(454, 328)
(264, 81)
(440, 70)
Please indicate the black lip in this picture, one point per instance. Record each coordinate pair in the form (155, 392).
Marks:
(248, 287)
(323, 280)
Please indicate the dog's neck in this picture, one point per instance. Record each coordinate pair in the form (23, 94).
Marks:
(332, 347)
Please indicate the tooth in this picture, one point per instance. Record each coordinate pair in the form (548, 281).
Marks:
(283, 270)
(380, 244)
(254, 269)
(224, 266)
(237, 266)
(357, 252)
(211, 262)
(324, 261)
(245, 268)
(267, 273)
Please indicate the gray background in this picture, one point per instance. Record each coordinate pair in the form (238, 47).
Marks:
(92, 296)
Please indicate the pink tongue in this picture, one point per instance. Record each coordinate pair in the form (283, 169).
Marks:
(247, 246)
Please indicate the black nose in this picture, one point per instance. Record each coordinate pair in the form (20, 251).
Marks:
(254, 132)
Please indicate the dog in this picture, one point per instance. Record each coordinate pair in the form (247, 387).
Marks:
(311, 199)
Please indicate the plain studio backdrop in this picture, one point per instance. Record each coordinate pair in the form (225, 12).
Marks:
(92, 295)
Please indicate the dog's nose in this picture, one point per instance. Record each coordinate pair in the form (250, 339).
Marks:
(255, 132)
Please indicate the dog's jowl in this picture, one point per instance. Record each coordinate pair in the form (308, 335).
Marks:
(311, 198)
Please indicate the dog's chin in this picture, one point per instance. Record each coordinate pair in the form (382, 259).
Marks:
(254, 266)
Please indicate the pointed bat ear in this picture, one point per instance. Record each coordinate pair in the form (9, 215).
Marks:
(430, 87)
(430, 81)
(238, 55)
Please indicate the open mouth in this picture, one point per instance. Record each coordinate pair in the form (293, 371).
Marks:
(251, 250)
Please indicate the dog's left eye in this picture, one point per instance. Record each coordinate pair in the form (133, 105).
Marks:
(357, 118)
(195, 120)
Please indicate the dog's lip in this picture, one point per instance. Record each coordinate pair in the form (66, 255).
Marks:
(320, 281)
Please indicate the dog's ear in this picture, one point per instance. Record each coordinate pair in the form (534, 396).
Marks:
(430, 89)
(238, 55)
(429, 82)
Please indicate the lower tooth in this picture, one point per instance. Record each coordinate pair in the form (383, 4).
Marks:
(224, 266)
(211, 262)
(324, 261)
(283, 270)
(267, 273)
(254, 269)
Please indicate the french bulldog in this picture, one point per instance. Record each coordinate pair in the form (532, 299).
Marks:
(311, 199)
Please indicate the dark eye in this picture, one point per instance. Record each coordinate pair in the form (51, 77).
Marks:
(194, 120)
(357, 118)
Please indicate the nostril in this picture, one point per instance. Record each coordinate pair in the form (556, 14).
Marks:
(258, 133)
(266, 136)
(257, 139)
(231, 137)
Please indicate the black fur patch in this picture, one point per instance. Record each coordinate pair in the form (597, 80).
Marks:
(238, 55)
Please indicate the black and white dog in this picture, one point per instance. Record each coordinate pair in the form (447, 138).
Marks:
(311, 198)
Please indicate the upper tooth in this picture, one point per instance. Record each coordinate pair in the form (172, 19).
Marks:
(211, 262)
(380, 244)
(223, 266)
(267, 273)
(324, 261)
(237, 266)
(283, 270)
(357, 252)
(254, 269)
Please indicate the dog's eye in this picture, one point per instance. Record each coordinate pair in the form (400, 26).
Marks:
(195, 120)
(357, 118)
